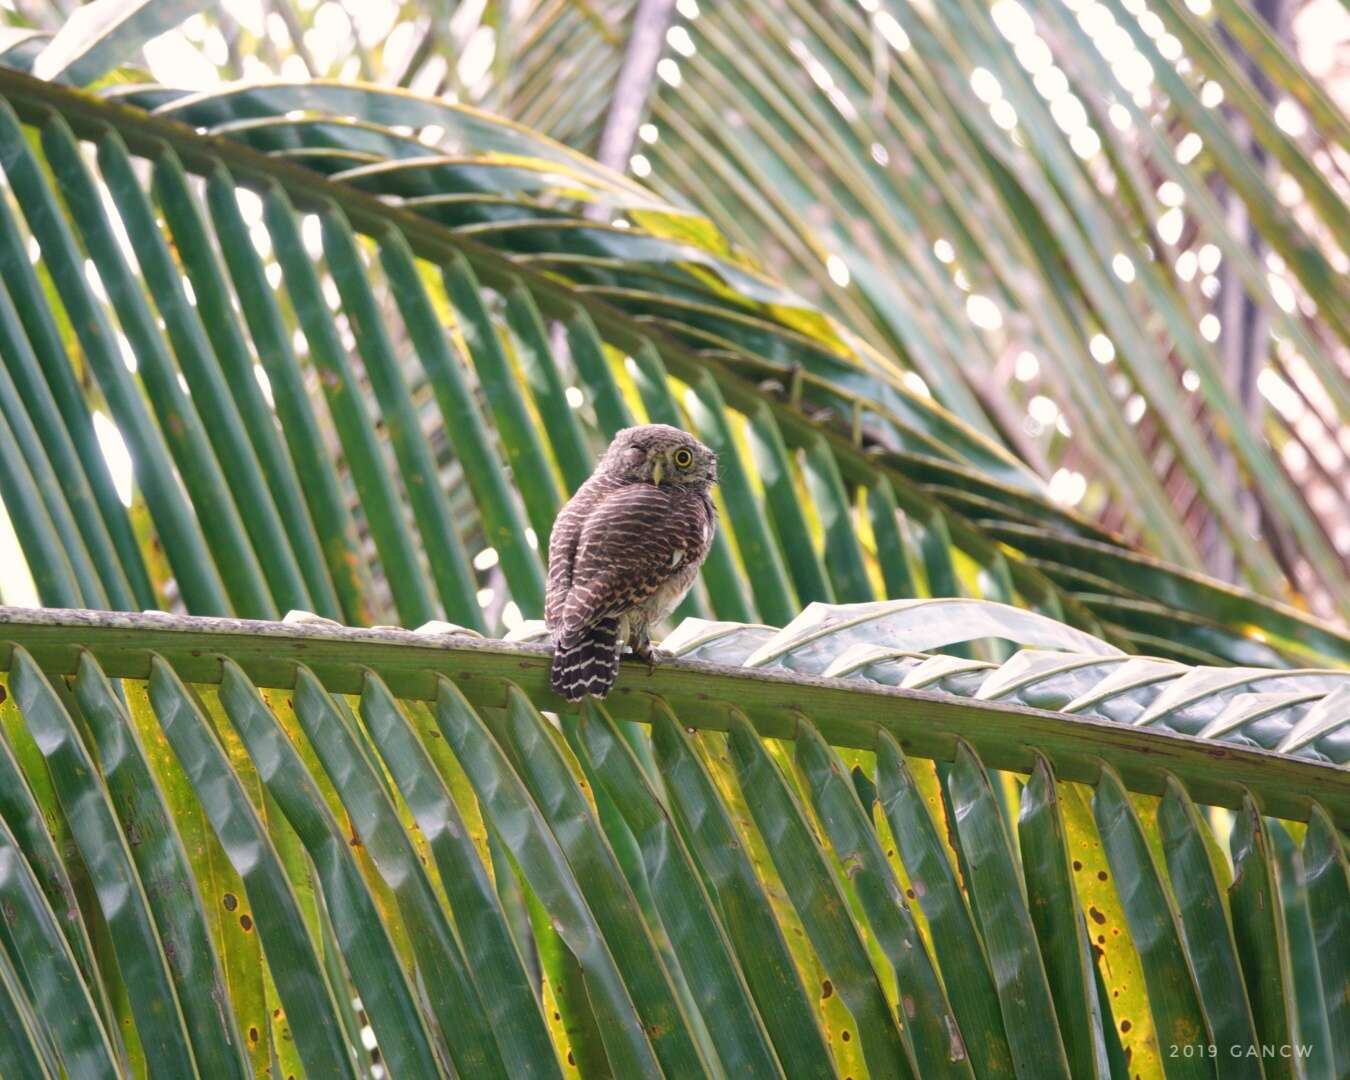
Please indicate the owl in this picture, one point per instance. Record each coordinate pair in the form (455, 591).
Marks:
(624, 551)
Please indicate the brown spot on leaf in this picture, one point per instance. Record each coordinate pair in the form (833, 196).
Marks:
(1125, 1026)
(246, 923)
(230, 901)
(826, 989)
(1097, 916)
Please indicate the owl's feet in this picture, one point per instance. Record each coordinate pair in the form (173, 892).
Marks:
(650, 654)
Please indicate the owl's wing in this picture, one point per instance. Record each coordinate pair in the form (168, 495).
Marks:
(631, 542)
(562, 551)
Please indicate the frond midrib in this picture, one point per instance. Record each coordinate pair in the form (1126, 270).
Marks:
(704, 695)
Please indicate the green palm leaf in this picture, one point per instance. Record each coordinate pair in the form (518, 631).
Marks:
(831, 406)
(1011, 979)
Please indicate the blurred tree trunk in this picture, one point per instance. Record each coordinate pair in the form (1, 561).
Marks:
(633, 84)
(1245, 338)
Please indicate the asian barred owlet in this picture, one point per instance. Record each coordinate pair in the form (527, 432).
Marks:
(624, 551)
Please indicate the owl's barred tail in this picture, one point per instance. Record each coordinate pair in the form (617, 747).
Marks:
(589, 666)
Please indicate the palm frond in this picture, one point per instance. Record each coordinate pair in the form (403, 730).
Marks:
(1058, 167)
(833, 882)
(811, 405)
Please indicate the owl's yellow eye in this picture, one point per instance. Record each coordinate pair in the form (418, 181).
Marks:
(683, 459)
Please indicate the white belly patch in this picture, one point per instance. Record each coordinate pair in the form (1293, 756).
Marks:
(662, 602)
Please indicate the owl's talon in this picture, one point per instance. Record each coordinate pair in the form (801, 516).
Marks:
(652, 656)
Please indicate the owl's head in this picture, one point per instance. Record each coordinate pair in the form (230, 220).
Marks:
(662, 455)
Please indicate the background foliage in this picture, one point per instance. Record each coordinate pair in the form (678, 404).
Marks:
(1111, 238)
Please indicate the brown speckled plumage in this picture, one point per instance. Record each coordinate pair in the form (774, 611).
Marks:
(624, 551)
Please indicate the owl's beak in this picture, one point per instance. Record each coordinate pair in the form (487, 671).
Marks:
(658, 470)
